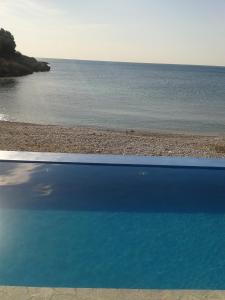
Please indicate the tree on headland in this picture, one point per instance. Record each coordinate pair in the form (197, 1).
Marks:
(7, 43)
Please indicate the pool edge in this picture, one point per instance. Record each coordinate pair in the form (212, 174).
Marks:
(105, 159)
(7, 292)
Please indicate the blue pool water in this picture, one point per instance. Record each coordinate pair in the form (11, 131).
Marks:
(104, 226)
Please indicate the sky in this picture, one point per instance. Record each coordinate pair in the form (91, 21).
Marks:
(155, 31)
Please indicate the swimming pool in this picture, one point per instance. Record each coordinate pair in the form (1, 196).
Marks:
(111, 222)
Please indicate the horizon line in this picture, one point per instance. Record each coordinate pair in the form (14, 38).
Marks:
(134, 62)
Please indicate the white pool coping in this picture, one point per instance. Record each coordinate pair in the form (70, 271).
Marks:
(25, 293)
(104, 159)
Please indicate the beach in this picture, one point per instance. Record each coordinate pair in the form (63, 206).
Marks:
(16, 136)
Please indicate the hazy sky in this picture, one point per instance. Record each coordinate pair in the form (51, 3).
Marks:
(160, 31)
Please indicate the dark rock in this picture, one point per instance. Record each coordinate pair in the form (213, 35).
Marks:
(21, 65)
(13, 63)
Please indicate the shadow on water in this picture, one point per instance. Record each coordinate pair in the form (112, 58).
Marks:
(112, 188)
(8, 83)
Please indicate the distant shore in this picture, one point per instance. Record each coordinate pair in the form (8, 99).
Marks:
(53, 138)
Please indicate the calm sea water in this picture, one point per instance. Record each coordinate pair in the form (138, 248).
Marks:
(119, 95)
(149, 227)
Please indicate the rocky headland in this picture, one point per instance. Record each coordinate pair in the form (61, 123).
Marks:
(13, 63)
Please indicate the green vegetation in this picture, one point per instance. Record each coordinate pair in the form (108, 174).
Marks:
(12, 62)
(7, 44)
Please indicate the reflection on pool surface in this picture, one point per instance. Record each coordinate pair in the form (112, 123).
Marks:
(69, 225)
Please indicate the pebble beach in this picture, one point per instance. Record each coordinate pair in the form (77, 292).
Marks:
(51, 138)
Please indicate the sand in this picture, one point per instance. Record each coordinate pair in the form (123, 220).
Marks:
(51, 138)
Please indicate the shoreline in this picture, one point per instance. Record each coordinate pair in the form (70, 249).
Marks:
(15, 136)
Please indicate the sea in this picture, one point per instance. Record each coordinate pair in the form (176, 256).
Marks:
(154, 97)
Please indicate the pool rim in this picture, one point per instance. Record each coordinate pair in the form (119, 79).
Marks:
(108, 159)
